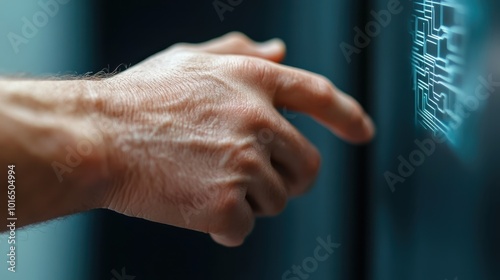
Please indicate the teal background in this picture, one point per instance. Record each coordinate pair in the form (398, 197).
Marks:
(442, 223)
(63, 248)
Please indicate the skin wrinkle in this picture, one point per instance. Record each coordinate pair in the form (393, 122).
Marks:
(214, 184)
(189, 137)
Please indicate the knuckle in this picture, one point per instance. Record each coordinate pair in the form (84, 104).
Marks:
(255, 69)
(228, 204)
(180, 47)
(325, 93)
(324, 84)
(248, 159)
(238, 38)
(249, 64)
(257, 117)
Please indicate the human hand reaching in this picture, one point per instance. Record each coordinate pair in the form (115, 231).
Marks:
(190, 137)
(216, 152)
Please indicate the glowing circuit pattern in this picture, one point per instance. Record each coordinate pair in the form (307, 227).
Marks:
(439, 40)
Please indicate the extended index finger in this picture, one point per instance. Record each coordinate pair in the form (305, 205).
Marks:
(315, 95)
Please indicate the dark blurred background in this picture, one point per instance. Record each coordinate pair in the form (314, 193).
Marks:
(441, 223)
(131, 31)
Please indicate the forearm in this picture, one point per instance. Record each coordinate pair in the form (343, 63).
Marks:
(48, 134)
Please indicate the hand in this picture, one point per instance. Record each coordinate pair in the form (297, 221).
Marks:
(194, 140)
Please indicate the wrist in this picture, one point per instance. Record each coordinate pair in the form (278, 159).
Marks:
(99, 175)
(105, 109)
(83, 166)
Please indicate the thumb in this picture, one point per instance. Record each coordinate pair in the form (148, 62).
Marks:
(236, 43)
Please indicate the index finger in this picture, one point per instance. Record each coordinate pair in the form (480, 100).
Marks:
(315, 95)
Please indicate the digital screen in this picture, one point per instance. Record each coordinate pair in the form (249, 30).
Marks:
(445, 76)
